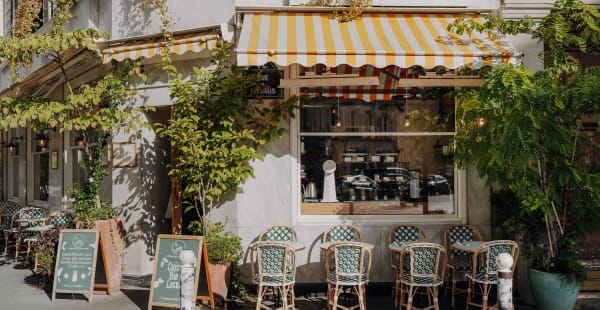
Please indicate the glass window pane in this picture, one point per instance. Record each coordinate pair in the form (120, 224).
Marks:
(81, 169)
(41, 168)
(380, 158)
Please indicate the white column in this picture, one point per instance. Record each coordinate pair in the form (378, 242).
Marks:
(505, 281)
(187, 276)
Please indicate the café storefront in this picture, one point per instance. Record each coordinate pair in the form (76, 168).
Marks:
(374, 138)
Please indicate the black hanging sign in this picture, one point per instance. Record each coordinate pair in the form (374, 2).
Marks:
(269, 82)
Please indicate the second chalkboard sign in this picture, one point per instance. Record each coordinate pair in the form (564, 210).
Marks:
(76, 262)
(164, 289)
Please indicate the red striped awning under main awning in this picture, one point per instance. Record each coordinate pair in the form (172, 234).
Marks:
(376, 39)
(149, 48)
(384, 91)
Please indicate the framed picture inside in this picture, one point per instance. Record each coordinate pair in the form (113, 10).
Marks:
(124, 154)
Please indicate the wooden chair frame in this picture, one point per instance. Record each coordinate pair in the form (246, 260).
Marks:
(486, 260)
(339, 281)
(395, 259)
(266, 279)
(20, 232)
(407, 279)
(453, 266)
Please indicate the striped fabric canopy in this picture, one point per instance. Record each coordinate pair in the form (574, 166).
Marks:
(383, 91)
(380, 40)
(150, 48)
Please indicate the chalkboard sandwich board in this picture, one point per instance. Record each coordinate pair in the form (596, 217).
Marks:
(76, 262)
(164, 288)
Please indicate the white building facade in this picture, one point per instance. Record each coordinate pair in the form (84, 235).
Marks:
(386, 172)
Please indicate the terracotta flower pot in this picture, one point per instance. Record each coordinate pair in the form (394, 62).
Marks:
(220, 276)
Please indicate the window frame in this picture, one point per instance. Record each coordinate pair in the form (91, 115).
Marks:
(460, 194)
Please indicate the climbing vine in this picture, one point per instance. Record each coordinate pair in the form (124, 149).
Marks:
(344, 11)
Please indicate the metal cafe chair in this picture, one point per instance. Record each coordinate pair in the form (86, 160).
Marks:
(485, 269)
(459, 262)
(426, 270)
(342, 232)
(401, 234)
(348, 265)
(26, 218)
(8, 225)
(278, 233)
(275, 269)
(57, 218)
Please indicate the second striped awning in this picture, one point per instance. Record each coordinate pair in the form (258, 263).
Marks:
(376, 39)
(151, 47)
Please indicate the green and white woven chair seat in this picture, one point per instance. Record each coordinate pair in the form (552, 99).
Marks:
(422, 280)
(275, 280)
(483, 277)
(347, 280)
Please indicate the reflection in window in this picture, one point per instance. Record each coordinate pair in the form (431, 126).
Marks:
(390, 157)
(82, 145)
(41, 168)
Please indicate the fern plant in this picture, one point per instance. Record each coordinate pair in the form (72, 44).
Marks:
(524, 132)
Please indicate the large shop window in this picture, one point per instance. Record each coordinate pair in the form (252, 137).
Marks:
(384, 157)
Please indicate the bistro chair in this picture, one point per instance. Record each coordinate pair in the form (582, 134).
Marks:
(4, 216)
(348, 265)
(401, 234)
(26, 218)
(485, 269)
(275, 269)
(426, 270)
(278, 233)
(342, 232)
(57, 218)
(459, 262)
(9, 211)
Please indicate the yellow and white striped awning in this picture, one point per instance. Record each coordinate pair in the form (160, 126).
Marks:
(150, 48)
(380, 40)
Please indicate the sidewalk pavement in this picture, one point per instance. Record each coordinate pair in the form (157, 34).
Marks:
(19, 289)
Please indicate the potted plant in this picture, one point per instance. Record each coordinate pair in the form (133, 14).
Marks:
(224, 249)
(524, 132)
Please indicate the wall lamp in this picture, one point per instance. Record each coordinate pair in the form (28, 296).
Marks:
(42, 138)
(13, 145)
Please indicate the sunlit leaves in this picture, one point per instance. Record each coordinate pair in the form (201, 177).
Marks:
(217, 131)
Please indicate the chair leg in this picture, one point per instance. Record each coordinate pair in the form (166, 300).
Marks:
(453, 275)
(361, 297)
(5, 243)
(469, 289)
(17, 245)
(484, 298)
(28, 252)
(336, 294)
(259, 297)
(434, 292)
(284, 302)
(411, 293)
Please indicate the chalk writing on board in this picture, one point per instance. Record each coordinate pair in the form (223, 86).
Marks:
(77, 257)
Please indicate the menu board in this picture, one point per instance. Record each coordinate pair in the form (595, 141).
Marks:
(164, 288)
(75, 262)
